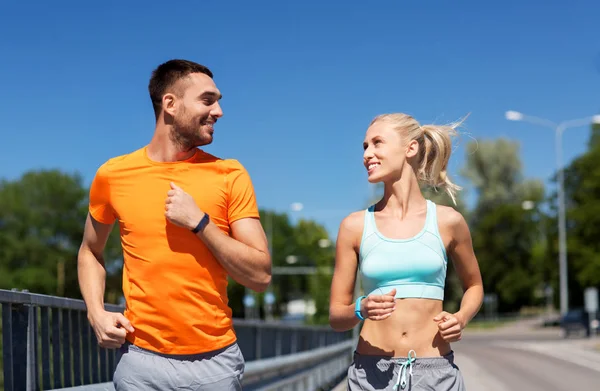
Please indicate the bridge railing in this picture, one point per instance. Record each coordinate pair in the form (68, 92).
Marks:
(47, 343)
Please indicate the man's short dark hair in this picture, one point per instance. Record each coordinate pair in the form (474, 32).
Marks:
(166, 75)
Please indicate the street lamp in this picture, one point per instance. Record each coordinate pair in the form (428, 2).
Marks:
(527, 205)
(559, 129)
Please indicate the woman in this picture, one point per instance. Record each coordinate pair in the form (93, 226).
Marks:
(401, 246)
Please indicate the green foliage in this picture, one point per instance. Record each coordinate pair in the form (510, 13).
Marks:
(42, 216)
(507, 237)
(503, 245)
(41, 227)
(293, 246)
(582, 192)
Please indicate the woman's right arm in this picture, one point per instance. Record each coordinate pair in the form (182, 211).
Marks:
(341, 301)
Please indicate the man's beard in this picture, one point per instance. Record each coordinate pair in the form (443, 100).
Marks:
(187, 134)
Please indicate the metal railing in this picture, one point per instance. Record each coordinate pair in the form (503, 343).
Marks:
(259, 340)
(321, 368)
(47, 343)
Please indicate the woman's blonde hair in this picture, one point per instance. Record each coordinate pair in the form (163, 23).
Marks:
(435, 147)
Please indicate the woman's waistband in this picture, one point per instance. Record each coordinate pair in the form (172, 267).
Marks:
(437, 362)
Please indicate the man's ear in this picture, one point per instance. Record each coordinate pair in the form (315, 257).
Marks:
(169, 101)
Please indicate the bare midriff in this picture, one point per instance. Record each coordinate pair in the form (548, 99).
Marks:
(410, 327)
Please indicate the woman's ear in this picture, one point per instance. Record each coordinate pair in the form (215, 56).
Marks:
(412, 149)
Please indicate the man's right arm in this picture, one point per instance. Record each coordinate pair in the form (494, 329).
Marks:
(90, 264)
(110, 327)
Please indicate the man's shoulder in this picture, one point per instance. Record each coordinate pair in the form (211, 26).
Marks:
(227, 165)
(122, 161)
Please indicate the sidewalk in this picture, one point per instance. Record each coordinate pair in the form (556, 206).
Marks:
(476, 377)
(582, 352)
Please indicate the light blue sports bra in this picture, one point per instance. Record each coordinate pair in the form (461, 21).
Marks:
(416, 266)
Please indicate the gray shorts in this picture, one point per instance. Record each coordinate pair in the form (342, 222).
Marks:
(140, 369)
(369, 373)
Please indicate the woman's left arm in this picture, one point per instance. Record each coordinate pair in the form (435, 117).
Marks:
(463, 257)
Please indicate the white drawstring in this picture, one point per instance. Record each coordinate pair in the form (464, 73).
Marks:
(402, 373)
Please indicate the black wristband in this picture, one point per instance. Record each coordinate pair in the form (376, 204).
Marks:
(203, 223)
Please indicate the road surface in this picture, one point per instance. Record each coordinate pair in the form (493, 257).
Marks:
(494, 363)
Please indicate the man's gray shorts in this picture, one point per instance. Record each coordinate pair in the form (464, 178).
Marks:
(369, 373)
(141, 369)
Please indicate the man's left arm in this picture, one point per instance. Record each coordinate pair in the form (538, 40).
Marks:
(245, 254)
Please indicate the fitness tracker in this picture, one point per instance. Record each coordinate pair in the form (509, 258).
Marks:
(357, 308)
(203, 222)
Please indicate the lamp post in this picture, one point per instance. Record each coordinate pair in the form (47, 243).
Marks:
(558, 129)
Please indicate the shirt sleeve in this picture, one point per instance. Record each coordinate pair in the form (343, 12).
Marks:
(100, 207)
(242, 200)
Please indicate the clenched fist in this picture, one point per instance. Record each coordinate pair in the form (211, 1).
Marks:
(110, 328)
(378, 307)
(450, 326)
(181, 209)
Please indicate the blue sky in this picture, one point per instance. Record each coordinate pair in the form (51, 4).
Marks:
(301, 81)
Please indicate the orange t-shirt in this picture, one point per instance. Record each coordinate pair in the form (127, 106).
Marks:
(175, 289)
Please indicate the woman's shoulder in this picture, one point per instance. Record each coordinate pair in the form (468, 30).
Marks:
(354, 221)
(449, 217)
(351, 227)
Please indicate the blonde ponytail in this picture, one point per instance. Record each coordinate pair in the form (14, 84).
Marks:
(435, 148)
(435, 153)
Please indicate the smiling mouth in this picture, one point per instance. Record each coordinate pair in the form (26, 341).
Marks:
(372, 167)
(209, 124)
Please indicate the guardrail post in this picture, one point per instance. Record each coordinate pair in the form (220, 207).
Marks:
(294, 341)
(31, 378)
(277, 342)
(258, 342)
(15, 340)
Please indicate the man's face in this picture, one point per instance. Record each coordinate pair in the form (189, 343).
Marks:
(196, 111)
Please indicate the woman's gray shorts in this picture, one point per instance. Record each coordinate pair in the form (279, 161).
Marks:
(369, 373)
(140, 369)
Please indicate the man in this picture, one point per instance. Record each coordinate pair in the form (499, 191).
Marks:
(187, 221)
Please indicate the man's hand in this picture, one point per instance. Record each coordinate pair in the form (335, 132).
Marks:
(450, 326)
(181, 209)
(110, 328)
(378, 307)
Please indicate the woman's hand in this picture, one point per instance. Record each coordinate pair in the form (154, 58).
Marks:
(378, 307)
(450, 326)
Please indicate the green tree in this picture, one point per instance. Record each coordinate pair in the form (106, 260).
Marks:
(506, 222)
(582, 192)
(315, 249)
(291, 246)
(42, 216)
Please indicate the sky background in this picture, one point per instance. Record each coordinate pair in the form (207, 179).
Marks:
(301, 82)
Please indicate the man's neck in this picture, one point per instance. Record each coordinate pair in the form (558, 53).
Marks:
(162, 149)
